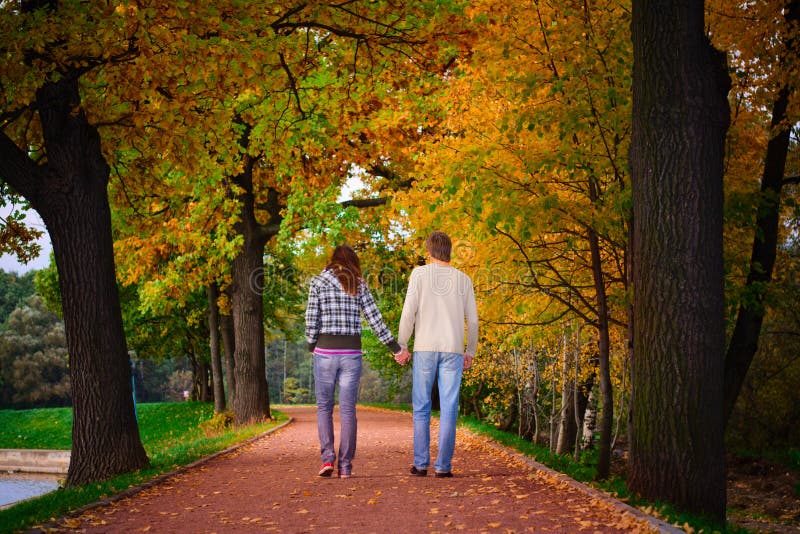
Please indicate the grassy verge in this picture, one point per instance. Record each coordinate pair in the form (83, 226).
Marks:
(584, 471)
(171, 433)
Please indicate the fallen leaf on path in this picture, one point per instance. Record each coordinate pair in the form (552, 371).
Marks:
(303, 511)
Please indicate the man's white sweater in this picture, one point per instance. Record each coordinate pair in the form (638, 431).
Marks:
(438, 301)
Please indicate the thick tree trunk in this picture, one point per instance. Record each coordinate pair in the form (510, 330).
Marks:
(680, 116)
(744, 341)
(251, 402)
(69, 192)
(216, 354)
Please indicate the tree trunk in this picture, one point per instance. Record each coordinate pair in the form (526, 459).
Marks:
(69, 192)
(744, 341)
(251, 402)
(195, 395)
(603, 356)
(680, 116)
(589, 421)
(214, 341)
(226, 332)
(205, 390)
(566, 423)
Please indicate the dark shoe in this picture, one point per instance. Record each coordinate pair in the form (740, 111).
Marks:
(326, 470)
(418, 472)
(446, 474)
(345, 474)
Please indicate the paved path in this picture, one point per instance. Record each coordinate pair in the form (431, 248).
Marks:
(271, 485)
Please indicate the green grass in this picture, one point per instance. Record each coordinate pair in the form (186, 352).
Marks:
(46, 428)
(170, 433)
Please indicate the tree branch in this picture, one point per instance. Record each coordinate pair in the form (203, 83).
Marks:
(292, 85)
(791, 180)
(365, 202)
(18, 170)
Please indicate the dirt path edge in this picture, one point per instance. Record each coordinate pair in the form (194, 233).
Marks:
(657, 524)
(52, 525)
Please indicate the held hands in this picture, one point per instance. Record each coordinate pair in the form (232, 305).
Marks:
(402, 357)
(467, 361)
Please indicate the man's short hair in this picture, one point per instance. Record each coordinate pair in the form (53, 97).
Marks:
(439, 246)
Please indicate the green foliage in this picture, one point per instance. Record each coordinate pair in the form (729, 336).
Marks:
(14, 289)
(33, 358)
(171, 434)
(294, 393)
(47, 287)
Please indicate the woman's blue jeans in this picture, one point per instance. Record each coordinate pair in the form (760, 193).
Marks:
(449, 367)
(328, 370)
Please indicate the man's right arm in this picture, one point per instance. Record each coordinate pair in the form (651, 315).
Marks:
(471, 313)
(409, 315)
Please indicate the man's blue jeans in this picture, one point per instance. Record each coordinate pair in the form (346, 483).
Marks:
(328, 370)
(449, 366)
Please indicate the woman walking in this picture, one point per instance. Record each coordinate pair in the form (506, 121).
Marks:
(336, 300)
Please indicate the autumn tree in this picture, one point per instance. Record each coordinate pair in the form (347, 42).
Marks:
(680, 117)
(530, 148)
(281, 142)
(51, 154)
(763, 45)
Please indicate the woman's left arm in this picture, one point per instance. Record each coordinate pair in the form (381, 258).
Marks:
(375, 320)
(313, 318)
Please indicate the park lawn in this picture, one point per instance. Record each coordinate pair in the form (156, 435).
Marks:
(171, 434)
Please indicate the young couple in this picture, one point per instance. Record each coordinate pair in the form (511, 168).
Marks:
(438, 301)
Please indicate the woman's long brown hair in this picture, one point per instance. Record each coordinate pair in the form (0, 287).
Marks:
(347, 268)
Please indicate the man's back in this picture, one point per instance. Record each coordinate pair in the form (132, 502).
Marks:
(438, 301)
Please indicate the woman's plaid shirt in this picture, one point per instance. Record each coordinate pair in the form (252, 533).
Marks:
(332, 311)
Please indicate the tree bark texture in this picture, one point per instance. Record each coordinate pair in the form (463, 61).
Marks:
(603, 357)
(206, 393)
(69, 192)
(251, 402)
(212, 292)
(227, 335)
(680, 116)
(744, 340)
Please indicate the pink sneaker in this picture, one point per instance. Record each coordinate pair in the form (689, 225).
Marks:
(327, 470)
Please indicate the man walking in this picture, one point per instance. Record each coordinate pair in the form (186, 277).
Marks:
(439, 300)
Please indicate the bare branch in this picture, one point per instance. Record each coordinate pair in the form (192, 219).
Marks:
(365, 202)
